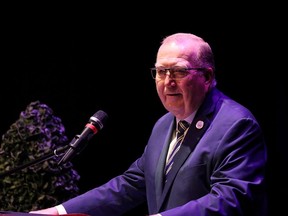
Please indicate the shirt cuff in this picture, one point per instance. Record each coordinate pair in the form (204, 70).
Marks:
(61, 210)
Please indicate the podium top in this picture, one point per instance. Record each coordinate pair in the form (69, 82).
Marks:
(11, 213)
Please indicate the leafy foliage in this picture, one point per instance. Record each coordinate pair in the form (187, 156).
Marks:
(36, 133)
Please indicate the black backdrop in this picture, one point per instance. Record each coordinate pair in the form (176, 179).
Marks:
(78, 62)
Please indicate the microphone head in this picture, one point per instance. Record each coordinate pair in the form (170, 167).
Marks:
(99, 118)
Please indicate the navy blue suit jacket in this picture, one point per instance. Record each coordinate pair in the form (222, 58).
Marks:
(219, 169)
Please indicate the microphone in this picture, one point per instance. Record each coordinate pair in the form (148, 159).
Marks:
(95, 124)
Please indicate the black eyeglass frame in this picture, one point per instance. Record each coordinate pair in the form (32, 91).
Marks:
(154, 72)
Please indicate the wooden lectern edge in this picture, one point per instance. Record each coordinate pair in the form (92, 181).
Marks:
(70, 214)
(36, 214)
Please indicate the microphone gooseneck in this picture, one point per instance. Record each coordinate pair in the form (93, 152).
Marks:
(95, 124)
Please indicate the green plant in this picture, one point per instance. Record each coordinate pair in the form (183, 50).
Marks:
(37, 132)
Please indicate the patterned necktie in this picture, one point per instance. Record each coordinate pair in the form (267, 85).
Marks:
(182, 126)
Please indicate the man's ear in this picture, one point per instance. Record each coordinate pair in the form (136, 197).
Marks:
(208, 74)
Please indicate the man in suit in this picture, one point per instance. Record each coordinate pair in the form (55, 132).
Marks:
(218, 167)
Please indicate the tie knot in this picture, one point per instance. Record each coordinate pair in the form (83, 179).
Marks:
(182, 126)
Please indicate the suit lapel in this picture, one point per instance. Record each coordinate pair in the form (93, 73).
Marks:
(200, 124)
(194, 133)
(162, 161)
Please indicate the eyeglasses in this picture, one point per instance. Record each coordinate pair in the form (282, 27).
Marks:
(174, 73)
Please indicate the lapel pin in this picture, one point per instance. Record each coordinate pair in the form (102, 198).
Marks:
(199, 124)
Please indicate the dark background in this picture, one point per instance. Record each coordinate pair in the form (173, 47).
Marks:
(79, 59)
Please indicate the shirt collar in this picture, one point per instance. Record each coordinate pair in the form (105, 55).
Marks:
(189, 119)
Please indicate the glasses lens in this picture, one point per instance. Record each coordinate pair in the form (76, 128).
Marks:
(153, 72)
(175, 73)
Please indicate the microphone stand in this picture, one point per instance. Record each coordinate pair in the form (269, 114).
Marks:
(56, 152)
